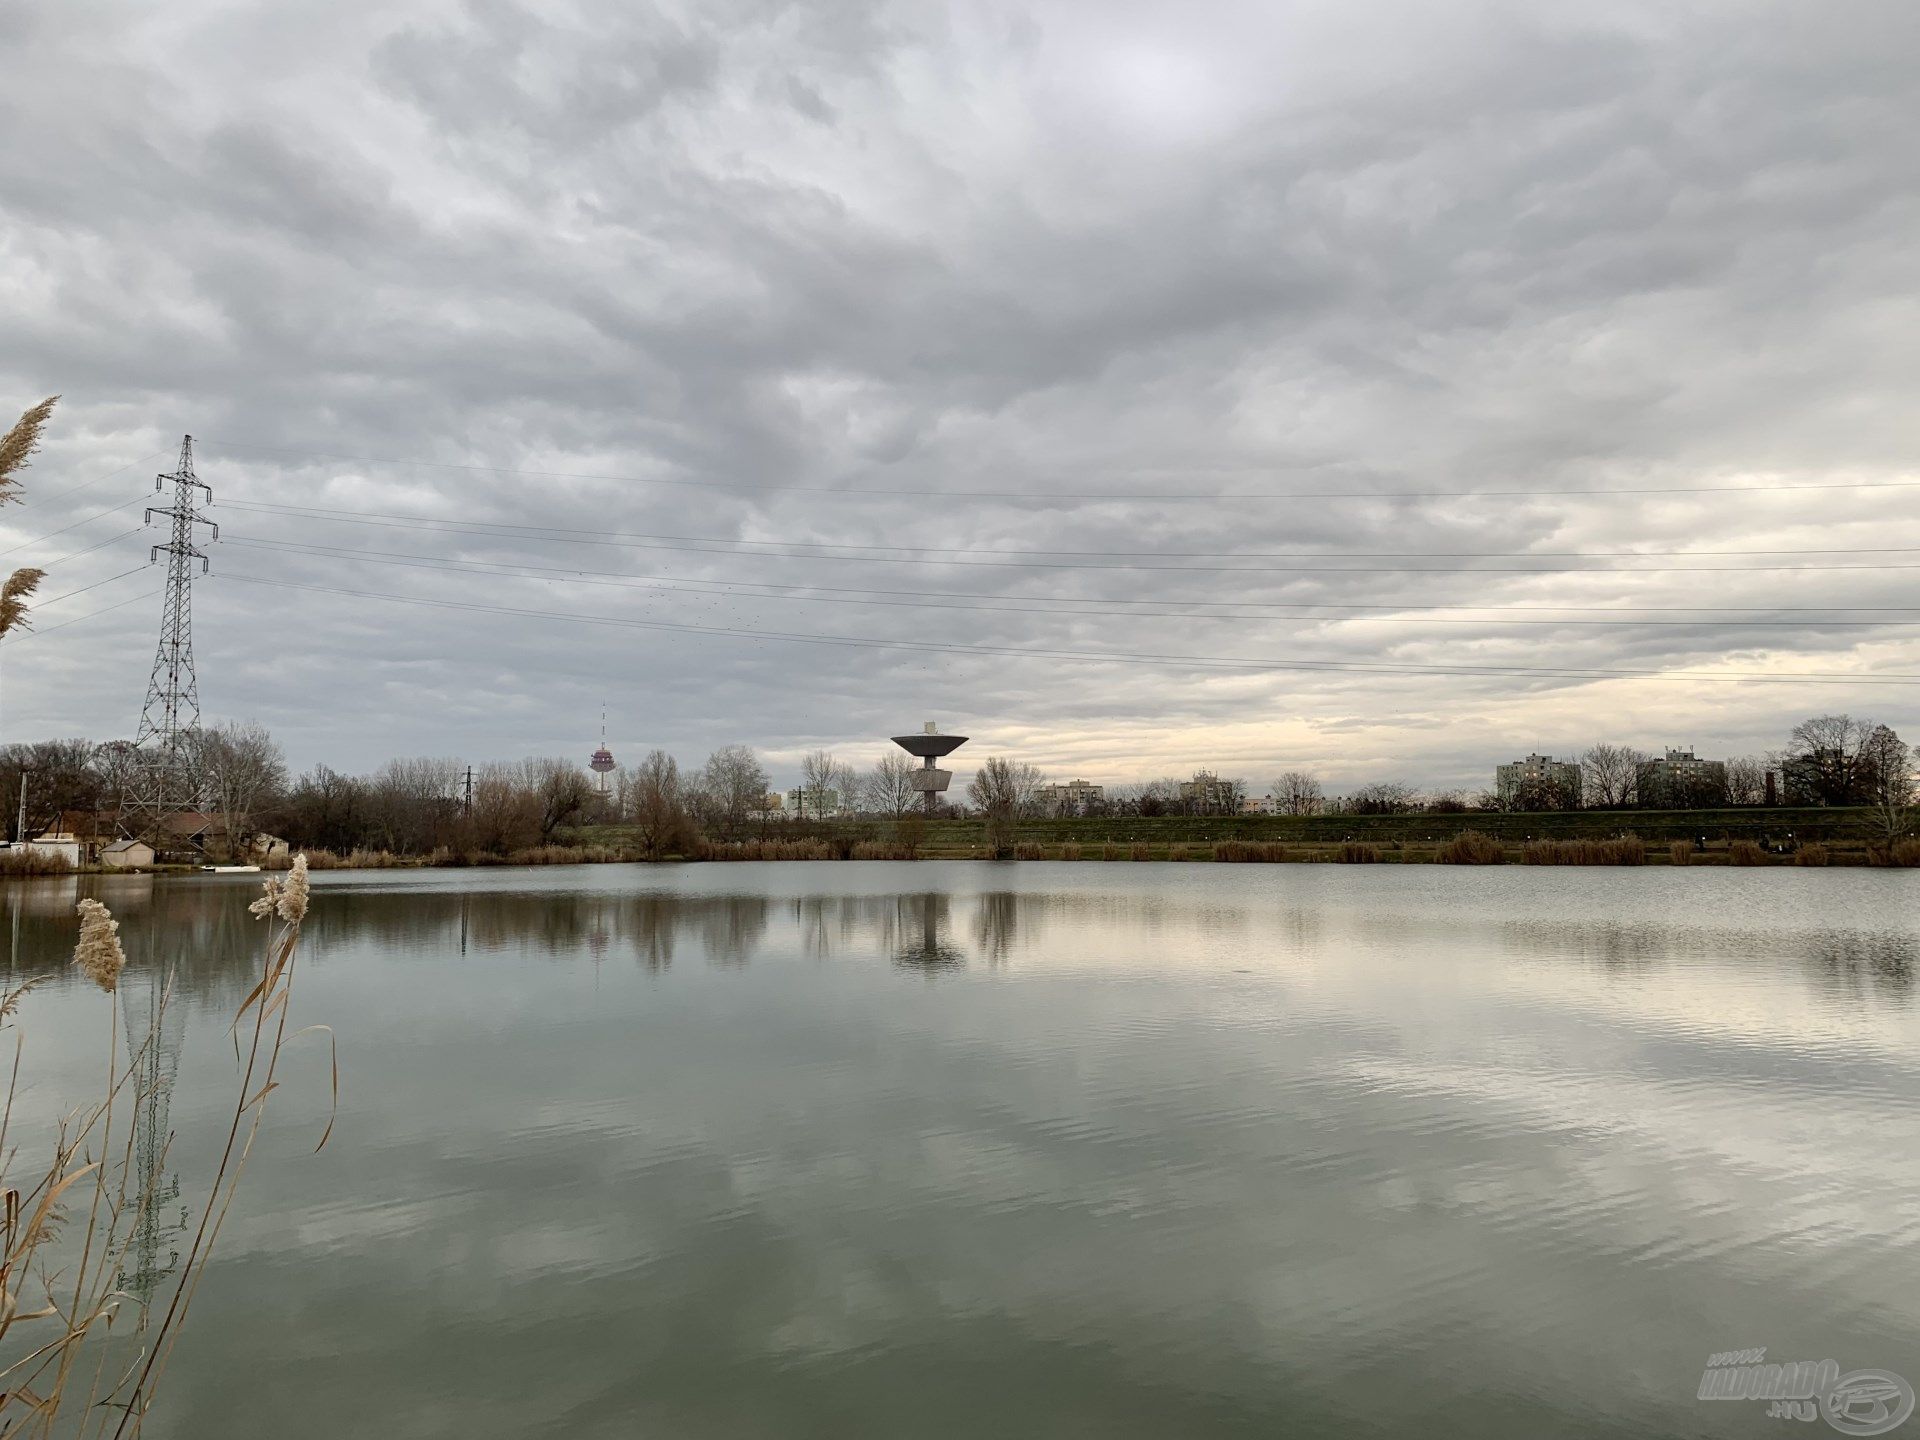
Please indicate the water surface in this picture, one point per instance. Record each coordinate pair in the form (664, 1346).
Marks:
(1103, 1150)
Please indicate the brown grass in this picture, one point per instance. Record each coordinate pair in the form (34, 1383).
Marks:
(1138, 851)
(1250, 852)
(1680, 852)
(1471, 847)
(1812, 853)
(1179, 852)
(33, 862)
(1904, 853)
(1356, 852)
(1029, 850)
(1623, 850)
(1745, 852)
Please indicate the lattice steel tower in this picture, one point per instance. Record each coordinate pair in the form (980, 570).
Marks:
(172, 712)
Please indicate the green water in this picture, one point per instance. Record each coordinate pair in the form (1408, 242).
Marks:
(1035, 1150)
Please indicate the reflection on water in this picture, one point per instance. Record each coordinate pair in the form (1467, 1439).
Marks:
(155, 1028)
(1038, 1150)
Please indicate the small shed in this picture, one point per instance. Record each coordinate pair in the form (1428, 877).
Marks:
(127, 855)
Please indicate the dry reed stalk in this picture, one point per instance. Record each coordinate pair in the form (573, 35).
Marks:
(1679, 853)
(1355, 852)
(1471, 847)
(1745, 852)
(1812, 853)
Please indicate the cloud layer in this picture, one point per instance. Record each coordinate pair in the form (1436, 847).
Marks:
(433, 265)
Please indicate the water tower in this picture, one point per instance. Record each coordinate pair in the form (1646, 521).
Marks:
(928, 746)
(602, 762)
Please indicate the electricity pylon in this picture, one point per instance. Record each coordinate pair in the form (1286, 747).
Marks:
(171, 717)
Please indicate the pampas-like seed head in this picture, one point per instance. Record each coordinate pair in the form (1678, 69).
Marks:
(286, 898)
(98, 955)
(293, 894)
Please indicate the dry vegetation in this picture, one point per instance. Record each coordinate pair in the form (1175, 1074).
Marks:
(77, 1364)
(1622, 850)
(1470, 847)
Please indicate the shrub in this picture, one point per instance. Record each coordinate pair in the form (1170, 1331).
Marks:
(1812, 853)
(18, 861)
(1471, 847)
(1622, 850)
(1355, 852)
(1745, 852)
(1680, 853)
(1250, 852)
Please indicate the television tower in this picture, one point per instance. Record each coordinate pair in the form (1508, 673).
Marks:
(602, 762)
(172, 712)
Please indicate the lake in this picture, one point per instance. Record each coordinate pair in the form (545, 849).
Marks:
(975, 1149)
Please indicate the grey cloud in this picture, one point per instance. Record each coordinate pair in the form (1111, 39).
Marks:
(912, 247)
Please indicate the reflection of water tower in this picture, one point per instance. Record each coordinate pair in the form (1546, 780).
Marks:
(602, 762)
(927, 747)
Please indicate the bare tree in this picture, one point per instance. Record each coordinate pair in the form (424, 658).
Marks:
(240, 769)
(414, 803)
(561, 792)
(888, 788)
(1746, 780)
(1003, 791)
(1298, 793)
(656, 806)
(732, 790)
(1826, 761)
(1891, 762)
(1611, 775)
(504, 815)
(1384, 797)
(826, 782)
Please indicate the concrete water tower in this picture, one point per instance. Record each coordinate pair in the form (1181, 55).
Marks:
(928, 746)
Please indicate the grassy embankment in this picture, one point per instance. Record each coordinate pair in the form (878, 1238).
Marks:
(1756, 836)
(1750, 836)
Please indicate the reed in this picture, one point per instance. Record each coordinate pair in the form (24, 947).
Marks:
(1622, 850)
(1680, 853)
(1179, 852)
(1812, 853)
(1138, 851)
(1069, 851)
(68, 1229)
(1745, 852)
(19, 861)
(1356, 852)
(1471, 847)
(1029, 850)
(1250, 852)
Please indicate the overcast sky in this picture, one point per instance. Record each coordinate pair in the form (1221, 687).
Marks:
(663, 279)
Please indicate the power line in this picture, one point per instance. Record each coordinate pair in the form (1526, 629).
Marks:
(89, 484)
(1046, 497)
(123, 505)
(927, 556)
(993, 605)
(37, 630)
(1200, 662)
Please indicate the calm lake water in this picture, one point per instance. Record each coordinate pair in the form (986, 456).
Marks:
(1035, 1150)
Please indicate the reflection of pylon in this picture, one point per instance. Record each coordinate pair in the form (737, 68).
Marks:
(172, 712)
(155, 1027)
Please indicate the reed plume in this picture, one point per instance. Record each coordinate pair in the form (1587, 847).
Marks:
(98, 955)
